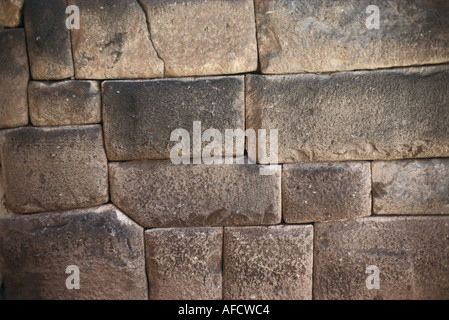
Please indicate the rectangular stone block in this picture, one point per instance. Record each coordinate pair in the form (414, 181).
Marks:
(61, 103)
(380, 258)
(199, 38)
(184, 263)
(327, 35)
(268, 263)
(105, 246)
(14, 76)
(140, 116)
(411, 186)
(364, 115)
(159, 194)
(52, 169)
(326, 191)
(113, 41)
(49, 45)
(10, 13)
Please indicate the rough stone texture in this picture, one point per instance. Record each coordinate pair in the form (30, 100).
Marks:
(64, 103)
(198, 37)
(48, 38)
(106, 246)
(139, 116)
(14, 76)
(411, 186)
(268, 263)
(10, 13)
(365, 115)
(411, 253)
(113, 41)
(326, 191)
(184, 263)
(3, 210)
(327, 35)
(51, 169)
(160, 194)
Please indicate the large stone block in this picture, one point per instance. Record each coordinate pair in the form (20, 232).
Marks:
(48, 38)
(411, 186)
(326, 191)
(105, 245)
(184, 263)
(10, 13)
(113, 41)
(161, 194)
(198, 38)
(364, 115)
(51, 169)
(268, 263)
(327, 35)
(408, 254)
(14, 76)
(61, 103)
(139, 116)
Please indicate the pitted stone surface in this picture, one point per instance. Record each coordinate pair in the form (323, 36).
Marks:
(268, 263)
(184, 263)
(326, 191)
(365, 115)
(327, 35)
(410, 253)
(105, 245)
(161, 194)
(62, 103)
(52, 169)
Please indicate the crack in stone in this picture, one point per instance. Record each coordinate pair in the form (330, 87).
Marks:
(142, 6)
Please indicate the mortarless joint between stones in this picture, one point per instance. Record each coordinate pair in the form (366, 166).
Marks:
(224, 150)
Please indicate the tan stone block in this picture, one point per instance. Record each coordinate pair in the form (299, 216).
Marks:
(327, 35)
(51, 169)
(48, 39)
(184, 263)
(364, 115)
(10, 13)
(411, 186)
(161, 194)
(139, 116)
(326, 191)
(113, 41)
(61, 103)
(268, 263)
(14, 76)
(105, 245)
(410, 254)
(198, 38)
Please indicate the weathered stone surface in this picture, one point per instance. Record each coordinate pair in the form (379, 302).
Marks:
(365, 115)
(268, 262)
(14, 76)
(198, 38)
(161, 194)
(51, 169)
(3, 210)
(64, 103)
(113, 41)
(326, 191)
(327, 35)
(184, 263)
(139, 116)
(411, 186)
(48, 39)
(10, 13)
(106, 246)
(411, 254)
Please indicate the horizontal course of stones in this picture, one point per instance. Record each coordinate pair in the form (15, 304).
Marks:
(86, 178)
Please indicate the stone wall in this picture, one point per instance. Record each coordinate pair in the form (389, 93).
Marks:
(94, 206)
